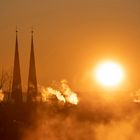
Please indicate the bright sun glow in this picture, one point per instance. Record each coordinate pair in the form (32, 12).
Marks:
(109, 74)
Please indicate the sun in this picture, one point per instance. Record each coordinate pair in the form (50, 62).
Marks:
(109, 74)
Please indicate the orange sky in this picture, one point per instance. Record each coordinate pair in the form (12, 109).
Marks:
(71, 36)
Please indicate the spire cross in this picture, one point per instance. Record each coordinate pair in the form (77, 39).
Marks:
(16, 30)
(32, 31)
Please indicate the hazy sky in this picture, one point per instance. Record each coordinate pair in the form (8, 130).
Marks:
(71, 37)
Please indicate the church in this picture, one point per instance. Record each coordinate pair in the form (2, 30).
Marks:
(32, 91)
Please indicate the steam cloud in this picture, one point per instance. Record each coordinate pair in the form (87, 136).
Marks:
(1, 95)
(63, 94)
(136, 96)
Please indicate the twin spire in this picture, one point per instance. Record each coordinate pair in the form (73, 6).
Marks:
(16, 94)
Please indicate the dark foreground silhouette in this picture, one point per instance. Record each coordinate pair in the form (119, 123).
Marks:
(69, 122)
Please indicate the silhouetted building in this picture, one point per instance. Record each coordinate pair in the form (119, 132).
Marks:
(16, 94)
(32, 80)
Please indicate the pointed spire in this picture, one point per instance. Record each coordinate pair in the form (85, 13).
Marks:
(16, 94)
(32, 80)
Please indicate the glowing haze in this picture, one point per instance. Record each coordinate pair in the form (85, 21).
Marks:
(70, 37)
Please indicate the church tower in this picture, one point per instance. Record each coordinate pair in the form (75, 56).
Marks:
(16, 94)
(32, 91)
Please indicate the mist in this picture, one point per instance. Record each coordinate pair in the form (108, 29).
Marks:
(90, 119)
